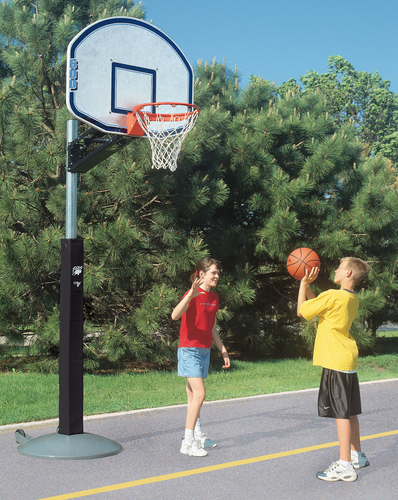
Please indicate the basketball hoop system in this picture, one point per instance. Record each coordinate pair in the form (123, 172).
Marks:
(165, 130)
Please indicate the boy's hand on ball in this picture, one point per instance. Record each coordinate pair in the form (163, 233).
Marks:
(310, 277)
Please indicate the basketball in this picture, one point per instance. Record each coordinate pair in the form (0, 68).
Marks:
(300, 260)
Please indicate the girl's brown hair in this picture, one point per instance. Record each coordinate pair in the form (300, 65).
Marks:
(204, 265)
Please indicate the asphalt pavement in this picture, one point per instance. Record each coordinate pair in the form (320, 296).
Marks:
(269, 447)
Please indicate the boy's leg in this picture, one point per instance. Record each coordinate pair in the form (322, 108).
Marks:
(350, 442)
(355, 436)
(344, 434)
(342, 469)
(358, 458)
(349, 437)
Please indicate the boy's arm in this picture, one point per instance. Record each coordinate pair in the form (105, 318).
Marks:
(305, 291)
(217, 340)
(309, 293)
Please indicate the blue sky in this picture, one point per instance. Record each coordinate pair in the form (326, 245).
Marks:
(283, 39)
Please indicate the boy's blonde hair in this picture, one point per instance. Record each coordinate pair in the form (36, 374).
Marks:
(358, 266)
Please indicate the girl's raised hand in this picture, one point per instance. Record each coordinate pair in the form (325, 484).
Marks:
(194, 288)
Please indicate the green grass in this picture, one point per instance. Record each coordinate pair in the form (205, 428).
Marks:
(28, 397)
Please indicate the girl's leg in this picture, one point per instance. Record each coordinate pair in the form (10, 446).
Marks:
(189, 393)
(196, 394)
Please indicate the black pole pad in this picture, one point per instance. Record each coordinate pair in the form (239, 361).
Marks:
(71, 338)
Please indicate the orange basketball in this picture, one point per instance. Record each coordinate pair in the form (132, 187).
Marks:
(300, 260)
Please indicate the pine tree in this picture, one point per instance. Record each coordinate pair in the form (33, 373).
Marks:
(32, 157)
(138, 247)
(264, 171)
(296, 178)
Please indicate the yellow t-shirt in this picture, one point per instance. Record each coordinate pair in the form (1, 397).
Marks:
(334, 347)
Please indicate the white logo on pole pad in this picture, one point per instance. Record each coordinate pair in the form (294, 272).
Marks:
(77, 283)
(77, 270)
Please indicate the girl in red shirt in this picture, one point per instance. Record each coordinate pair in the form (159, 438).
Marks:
(197, 310)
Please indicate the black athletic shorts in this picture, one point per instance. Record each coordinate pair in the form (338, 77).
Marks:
(339, 395)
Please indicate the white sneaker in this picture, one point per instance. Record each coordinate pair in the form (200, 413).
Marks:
(204, 441)
(337, 472)
(359, 460)
(193, 448)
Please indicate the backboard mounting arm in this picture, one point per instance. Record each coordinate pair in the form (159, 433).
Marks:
(92, 147)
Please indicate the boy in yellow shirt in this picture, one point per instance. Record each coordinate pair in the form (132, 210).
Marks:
(336, 351)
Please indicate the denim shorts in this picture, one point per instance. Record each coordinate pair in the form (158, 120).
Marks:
(193, 362)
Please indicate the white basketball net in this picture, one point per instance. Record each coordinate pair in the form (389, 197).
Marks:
(166, 133)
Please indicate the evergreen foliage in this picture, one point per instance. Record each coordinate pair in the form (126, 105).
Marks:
(265, 171)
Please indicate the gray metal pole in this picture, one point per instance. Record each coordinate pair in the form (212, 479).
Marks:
(71, 185)
(70, 443)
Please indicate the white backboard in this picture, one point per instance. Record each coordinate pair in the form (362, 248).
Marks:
(120, 62)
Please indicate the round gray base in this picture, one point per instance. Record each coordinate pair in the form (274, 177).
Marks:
(75, 447)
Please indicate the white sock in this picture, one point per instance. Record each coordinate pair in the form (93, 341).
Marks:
(345, 464)
(198, 427)
(188, 434)
(355, 453)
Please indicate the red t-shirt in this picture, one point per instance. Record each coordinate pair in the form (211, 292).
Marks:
(198, 321)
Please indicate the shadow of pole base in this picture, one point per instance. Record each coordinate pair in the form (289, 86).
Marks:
(56, 446)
